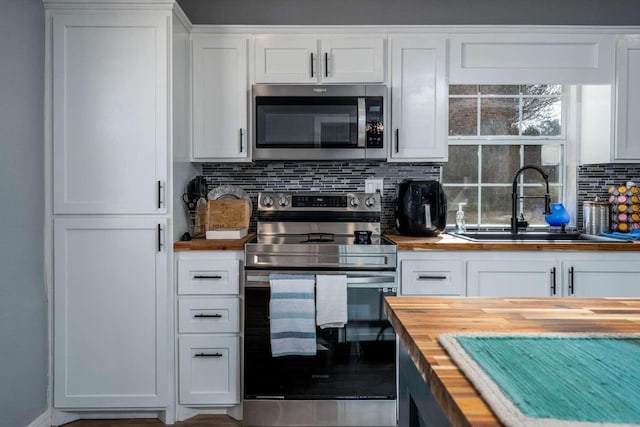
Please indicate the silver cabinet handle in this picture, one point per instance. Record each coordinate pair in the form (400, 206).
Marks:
(553, 281)
(397, 140)
(432, 277)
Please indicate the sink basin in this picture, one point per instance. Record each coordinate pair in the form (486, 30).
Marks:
(536, 236)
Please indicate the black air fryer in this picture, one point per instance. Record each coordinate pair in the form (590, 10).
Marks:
(421, 208)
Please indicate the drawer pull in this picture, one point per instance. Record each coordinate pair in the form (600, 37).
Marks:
(207, 277)
(432, 277)
(207, 355)
(217, 316)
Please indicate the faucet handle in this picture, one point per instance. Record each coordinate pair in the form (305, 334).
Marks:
(521, 222)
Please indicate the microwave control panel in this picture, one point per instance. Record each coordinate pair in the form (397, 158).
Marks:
(375, 126)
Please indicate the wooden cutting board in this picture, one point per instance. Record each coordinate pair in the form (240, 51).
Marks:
(227, 213)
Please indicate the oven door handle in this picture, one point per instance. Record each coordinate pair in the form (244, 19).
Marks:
(353, 281)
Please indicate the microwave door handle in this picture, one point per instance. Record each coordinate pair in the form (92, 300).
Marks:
(362, 123)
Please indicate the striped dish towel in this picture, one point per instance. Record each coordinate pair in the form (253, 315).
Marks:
(292, 311)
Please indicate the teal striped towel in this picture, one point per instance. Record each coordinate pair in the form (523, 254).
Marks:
(292, 311)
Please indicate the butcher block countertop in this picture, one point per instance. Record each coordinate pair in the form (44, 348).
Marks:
(213, 244)
(448, 242)
(419, 321)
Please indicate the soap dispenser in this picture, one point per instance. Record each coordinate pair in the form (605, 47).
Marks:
(460, 227)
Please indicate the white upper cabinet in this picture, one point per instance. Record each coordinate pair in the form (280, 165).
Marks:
(220, 98)
(627, 135)
(110, 112)
(419, 104)
(508, 58)
(304, 59)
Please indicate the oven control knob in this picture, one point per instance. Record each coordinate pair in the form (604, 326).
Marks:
(267, 202)
(355, 202)
(369, 202)
(283, 201)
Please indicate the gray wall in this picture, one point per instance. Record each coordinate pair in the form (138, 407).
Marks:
(23, 308)
(413, 12)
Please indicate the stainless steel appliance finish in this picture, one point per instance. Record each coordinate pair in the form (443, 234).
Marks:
(352, 379)
(595, 217)
(319, 122)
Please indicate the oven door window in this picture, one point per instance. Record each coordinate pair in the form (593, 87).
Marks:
(356, 361)
(301, 122)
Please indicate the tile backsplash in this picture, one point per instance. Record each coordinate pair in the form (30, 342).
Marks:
(593, 180)
(318, 176)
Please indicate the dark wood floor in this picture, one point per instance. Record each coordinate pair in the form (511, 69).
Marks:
(197, 421)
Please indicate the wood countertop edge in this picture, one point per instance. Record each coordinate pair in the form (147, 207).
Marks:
(447, 242)
(212, 244)
(440, 393)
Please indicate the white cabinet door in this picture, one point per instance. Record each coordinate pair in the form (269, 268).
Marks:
(352, 60)
(512, 278)
(110, 112)
(208, 276)
(286, 60)
(419, 99)
(595, 278)
(110, 312)
(209, 369)
(627, 145)
(310, 60)
(220, 99)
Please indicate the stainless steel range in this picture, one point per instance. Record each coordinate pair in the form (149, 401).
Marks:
(352, 378)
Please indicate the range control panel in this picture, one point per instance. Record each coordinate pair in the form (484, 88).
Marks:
(291, 202)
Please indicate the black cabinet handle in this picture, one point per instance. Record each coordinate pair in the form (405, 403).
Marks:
(326, 64)
(159, 194)
(312, 70)
(553, 281)
(200, 276)
(241, 135)
(159, 238)
(207, 355)
(397, 140)
(432, 277)
(215, 316)
(571, 287)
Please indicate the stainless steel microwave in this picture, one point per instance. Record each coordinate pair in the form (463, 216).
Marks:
(319, 122)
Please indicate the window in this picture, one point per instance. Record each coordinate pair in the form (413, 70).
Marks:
(493, 131)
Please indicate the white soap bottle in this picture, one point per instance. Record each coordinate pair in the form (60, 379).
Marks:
(460, 227)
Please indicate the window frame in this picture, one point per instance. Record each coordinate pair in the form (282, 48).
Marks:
(565, 140)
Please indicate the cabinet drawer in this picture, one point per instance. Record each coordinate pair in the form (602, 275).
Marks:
(207, 277)
(209, 371)
(208, 315)
(432, 277)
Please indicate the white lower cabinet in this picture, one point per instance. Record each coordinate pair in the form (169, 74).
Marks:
(209, 369)
(209, 331)
(602, 278)
(110, 312)
(512, 278)
(519, 273)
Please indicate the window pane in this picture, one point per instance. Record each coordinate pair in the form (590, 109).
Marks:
(499, 116)
(468, 195)
(499, 163)
(547, 156)
(541, 89)
(534, 208)
(496, 205)
(541, 116)
(499, 89)
(462, 167)
(463, 116)
(463, 89)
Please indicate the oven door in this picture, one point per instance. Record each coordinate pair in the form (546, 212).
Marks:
(357, 361)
